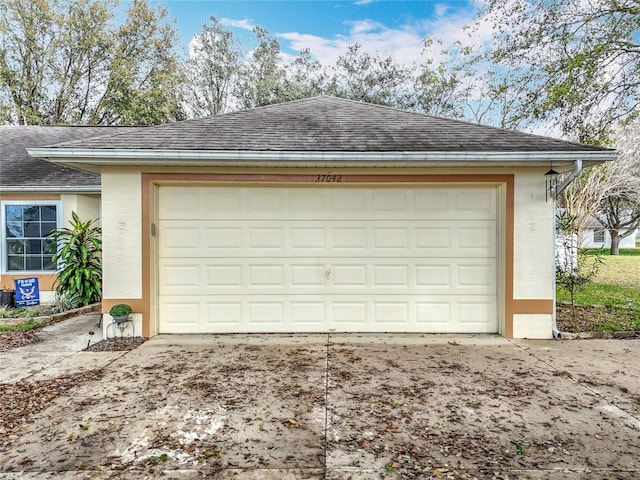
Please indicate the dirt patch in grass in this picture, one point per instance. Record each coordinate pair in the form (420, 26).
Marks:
(596, 319)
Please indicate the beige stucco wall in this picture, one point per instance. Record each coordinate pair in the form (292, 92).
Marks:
(121, 234)
(535, 326)
(86, 206)
(533, 258)
(533, 270)
(533, 230)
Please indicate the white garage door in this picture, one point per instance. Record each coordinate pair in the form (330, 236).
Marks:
(324, 259)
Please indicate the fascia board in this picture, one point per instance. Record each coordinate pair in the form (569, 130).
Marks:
(296, 159)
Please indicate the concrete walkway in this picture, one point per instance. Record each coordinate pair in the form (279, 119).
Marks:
(59, 351)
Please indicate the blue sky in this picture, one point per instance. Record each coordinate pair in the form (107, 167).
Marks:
(327, 27)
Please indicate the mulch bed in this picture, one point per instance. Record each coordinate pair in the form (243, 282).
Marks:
(116, 344)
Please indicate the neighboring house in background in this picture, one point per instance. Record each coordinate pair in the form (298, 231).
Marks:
(328, 215)
(596, 236)
(37, 196)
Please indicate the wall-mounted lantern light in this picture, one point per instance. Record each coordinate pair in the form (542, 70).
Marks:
(551, 181)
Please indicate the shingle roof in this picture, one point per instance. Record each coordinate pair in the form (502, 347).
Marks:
(19, 170)
(327, 124)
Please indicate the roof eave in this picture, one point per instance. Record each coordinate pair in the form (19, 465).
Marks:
(83, 189)
(86, 157)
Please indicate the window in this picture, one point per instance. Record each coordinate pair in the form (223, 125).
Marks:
(598, 236)
(24, 236)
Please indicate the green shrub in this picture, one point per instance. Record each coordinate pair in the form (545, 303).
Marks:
(65, 302)
(77, 250)
(120, 310)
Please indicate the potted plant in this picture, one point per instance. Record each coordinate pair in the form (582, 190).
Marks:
(7, 297)
(120, 312)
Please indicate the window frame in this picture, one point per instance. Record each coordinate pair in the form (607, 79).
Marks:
(598, 233)
(4, 250)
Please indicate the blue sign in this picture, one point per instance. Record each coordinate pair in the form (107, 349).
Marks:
(27, 292)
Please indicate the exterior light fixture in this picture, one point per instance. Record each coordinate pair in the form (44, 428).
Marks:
(551, 184)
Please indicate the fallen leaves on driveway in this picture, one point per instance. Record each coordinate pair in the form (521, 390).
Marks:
(17, 339)
(19, 401)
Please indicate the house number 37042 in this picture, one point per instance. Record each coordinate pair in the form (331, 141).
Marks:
(329, 178)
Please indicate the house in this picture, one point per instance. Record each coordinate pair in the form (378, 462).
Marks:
(596, 236)
(328, 215)
(38, 196)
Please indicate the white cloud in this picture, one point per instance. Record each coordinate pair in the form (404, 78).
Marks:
(243, 23)
(404, 42)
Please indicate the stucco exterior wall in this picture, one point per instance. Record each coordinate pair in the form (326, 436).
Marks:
(533, 268)
(86, 206)
(121, 237)
(533, 258)
(533, 230)
(535, 326)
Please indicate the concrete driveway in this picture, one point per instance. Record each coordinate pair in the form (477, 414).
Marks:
(341, 407)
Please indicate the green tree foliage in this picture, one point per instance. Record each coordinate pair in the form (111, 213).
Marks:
(222, 77)
(71, 61)
(578, 62)
(358, 75)
(213, 70)
(263, 76)
(77, 251)
(304, 78)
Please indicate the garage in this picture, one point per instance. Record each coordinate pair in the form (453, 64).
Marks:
(330, 215)
(322, 257)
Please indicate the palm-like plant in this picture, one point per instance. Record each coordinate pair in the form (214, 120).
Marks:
(77, 251)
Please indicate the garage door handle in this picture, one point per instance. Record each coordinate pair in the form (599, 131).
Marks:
(327, 273)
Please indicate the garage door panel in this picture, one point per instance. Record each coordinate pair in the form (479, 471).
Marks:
(393, 275)
(369, 275)
(347, 275)
(266, 275)
(330, 258)
(326, 203)
(398, 238)
(304, 275)
(261, 314)
(179, 239)
(220, 275)
(476, 202)
(220, 238)
(183, 312)
(475, 312)
(285, 238)
(348, 313)
(307, 239)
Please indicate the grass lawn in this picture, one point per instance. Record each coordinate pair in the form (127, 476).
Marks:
(617, 282)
